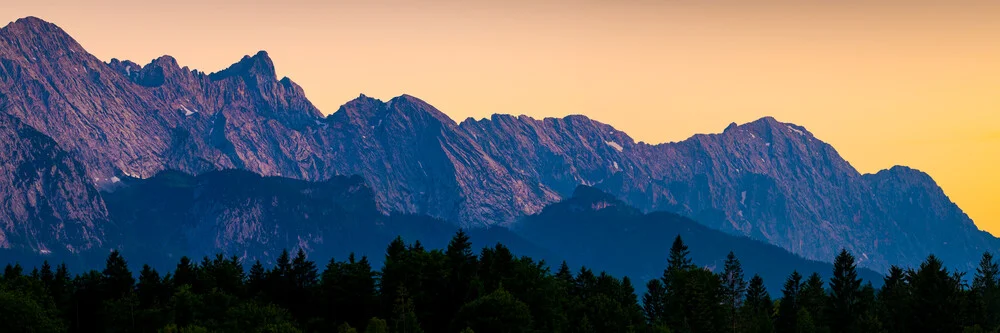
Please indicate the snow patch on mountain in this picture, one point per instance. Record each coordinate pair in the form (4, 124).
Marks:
(614, 145)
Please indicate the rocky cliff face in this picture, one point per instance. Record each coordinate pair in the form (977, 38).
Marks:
(419, 160)
(120, 118)
(47, 204)
(918, 208)
(772, 181)
(767, 180)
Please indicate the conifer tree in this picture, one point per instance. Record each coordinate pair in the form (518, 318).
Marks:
(257, 279)
(12, 272)
(302, 283)
(461, 266)
(986, 292)
(678, 265)
(813, 299)
(117, 279)
(845, 287)
(734, 288)
(394, 273)
(788, 309)
(757, 308)
(935, 298)
(150, 287)
(894, 301)
(280, 283)
(679, 259)
(564, 274)
(185, 273)
(653, 302)
(62, 288)
(46, 275)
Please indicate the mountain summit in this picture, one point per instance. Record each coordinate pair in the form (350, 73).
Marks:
(766, 179)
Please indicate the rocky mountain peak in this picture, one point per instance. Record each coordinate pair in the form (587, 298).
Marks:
(404, 109)
(769, 126)
(415, 107)
(34, 25)
(37, 39)
(257, 66)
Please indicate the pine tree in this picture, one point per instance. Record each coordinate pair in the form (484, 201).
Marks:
(62, 288)
(757, 308)
(788, 309)
(935, 301)
(46, 275)
(185, 273)
(868, 310)
(461, 266)
(12, 272)
(117, 279)
(280, 283)
(679, 257)
(813, 299)
(653, 302)
(734, 287)
(394, 273)
(303, 281)
(361, 281)
(257, 279)
(678, 265)
(283, 265)
(703, 306)
(564, 274)
(845, 287)
(986, 292)
(150, 287)
(894, 301)
(627, 300)
(304, 275)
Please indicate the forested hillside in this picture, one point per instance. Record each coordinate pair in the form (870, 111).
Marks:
(455, 290)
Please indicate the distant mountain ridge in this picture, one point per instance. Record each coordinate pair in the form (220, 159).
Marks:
(767, 180)
(610, 234)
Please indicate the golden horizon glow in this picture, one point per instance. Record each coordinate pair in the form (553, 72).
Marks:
(913, 83)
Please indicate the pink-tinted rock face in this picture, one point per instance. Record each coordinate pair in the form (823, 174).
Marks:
(46, 201)
(767, 180)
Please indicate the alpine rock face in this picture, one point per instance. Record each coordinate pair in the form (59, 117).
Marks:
(97, 123)
(46, 201)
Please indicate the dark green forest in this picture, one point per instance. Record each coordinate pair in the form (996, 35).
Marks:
(455, 290)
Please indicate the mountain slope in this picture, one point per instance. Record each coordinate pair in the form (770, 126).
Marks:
(766, 180)
(253, 217)
(47, 204)
(420, 161)
(124, 119)
(609, 234)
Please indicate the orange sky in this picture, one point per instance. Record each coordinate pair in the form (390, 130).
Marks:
(914, 83)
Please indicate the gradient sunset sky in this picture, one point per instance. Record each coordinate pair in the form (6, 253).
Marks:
(913, 83)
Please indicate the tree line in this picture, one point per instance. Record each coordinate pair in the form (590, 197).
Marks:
(455, 290)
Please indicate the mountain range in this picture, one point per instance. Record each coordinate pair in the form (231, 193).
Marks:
(79, 131)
